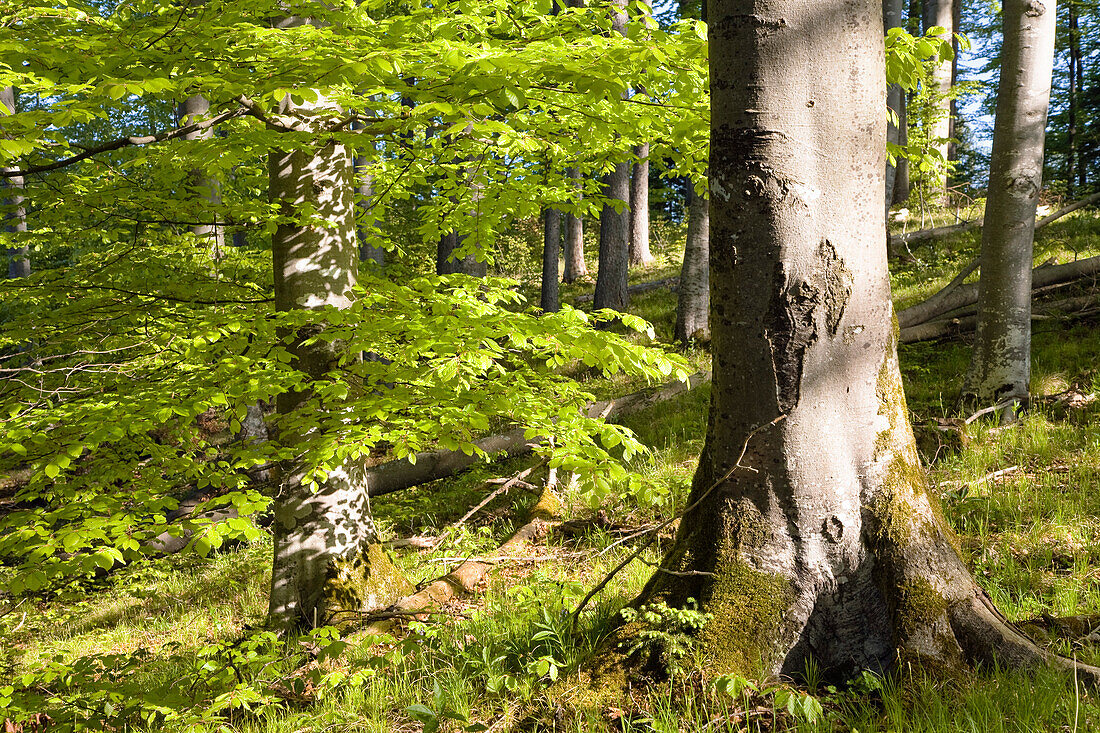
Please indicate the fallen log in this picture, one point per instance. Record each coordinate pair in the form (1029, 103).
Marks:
(923, 235)
(393, 476)
(669, 282)
(401, 474)
(966, 323)
(956, 295)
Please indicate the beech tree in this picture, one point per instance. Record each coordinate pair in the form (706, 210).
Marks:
(575, 266)
(693, 295)
(1000, 367)
(137, 343)
(811, 532)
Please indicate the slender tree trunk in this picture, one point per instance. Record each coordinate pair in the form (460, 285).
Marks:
(810, 531)
(693, 297)
(941, 13)
(191, 109)
(366, 204)
(639, 209)
(551, 250)
(14, 208)
(575, 266)
(1074, 166)
(1000, 367)
(892, 17)
(614, 265)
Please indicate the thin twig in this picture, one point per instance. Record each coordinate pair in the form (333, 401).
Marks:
(991, 408)
(492, 495)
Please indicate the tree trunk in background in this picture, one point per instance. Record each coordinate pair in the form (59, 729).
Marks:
(941, 13)
(614, 265)
(810, 532)
(365, 202)
(1000, 367)
(693, 297)
(447, 264)
(192, 109)
(15, 211)
(639, 209)
(1075, 165)
(551, 250)
(575, 266)
(892, 17)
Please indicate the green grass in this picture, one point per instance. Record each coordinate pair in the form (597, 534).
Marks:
(181, 632)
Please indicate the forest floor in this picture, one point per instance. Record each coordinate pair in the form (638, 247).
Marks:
(177, 643)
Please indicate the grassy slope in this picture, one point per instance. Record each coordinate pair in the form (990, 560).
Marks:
(1033, 536)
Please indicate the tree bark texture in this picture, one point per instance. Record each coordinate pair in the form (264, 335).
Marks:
(575, 266)
(639, 209)
(15, 210)
(693, 297)
(1000, 366)
(810, 531)
(191, 110)
(551, 250)
(614, 264)
(326, 559)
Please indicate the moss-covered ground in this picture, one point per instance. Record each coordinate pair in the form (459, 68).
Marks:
(177, 644)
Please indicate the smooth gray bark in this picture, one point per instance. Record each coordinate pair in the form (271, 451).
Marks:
(190, 110)
(810, 533)
(15, 210)
(1000, 366)
(693, 297)
(639, 209)
(575, 266)
(447, 263)
(322, 537)
(551, 251)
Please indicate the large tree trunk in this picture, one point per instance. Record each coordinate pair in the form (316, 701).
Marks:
(1000, 367)
(810, 531)
(551, 250)
(693, 298)
(941, 13)
(639, 209)
(15, 211)
(575, 266)
(211, 233)
(326, 559)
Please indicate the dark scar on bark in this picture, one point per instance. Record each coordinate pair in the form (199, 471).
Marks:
(790, 323)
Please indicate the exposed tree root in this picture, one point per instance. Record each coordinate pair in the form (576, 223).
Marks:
(469, 577)
(987, 637)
